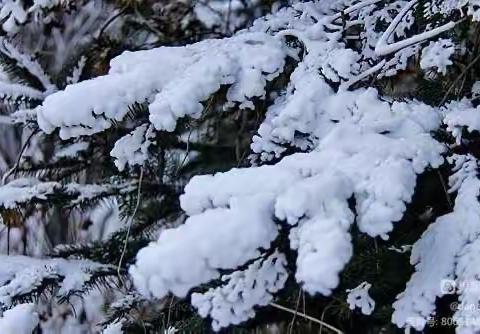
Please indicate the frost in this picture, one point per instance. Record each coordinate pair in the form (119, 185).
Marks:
(359, 297)
(28, 63)
(17, 91)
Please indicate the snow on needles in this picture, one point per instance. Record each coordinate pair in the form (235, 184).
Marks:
(356, 143)
(461, 115)
(21, 275)
(21, 319)
(29, 189)
(437, 55)
(359, 297)
(241, 232)
(233, 302)
(361, 146)
(187, 76)
(447, 250)
(132, 149)
(377, 163)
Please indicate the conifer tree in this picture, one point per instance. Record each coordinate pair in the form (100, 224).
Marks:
(231, 165)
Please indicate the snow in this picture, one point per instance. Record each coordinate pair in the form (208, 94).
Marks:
(459, 115)
(21, 275)
(113, 328)
(132, 149)
(234, 301)
(187, 77)
(373, 153)
(18, 91)
(383, 48)
(13, 14)
(23, 190)
(359, 297)
(71, 151)
(77, 71)
(158, 270)
(442, 253)
(21, 319)
(450, 7)
(26, 62)
(356, 145)
(219, 13)
(437, 55)
(476, 90)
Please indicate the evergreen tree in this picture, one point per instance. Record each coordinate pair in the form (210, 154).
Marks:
(281, 171)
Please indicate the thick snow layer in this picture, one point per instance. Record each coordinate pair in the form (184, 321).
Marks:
(159, 269)
(373, 151)
(358, 145)
(234, 301)
(187, 76)
(310, 110)
(21, 319)
(321, 237)
(445, 252)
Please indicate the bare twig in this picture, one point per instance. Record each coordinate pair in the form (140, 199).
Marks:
(19, 158)
(457, 80)
(13, 170)
(305, 316)
(292, 323)
(445, 189)
(363, 75)
(110, 21)
(127, 235)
